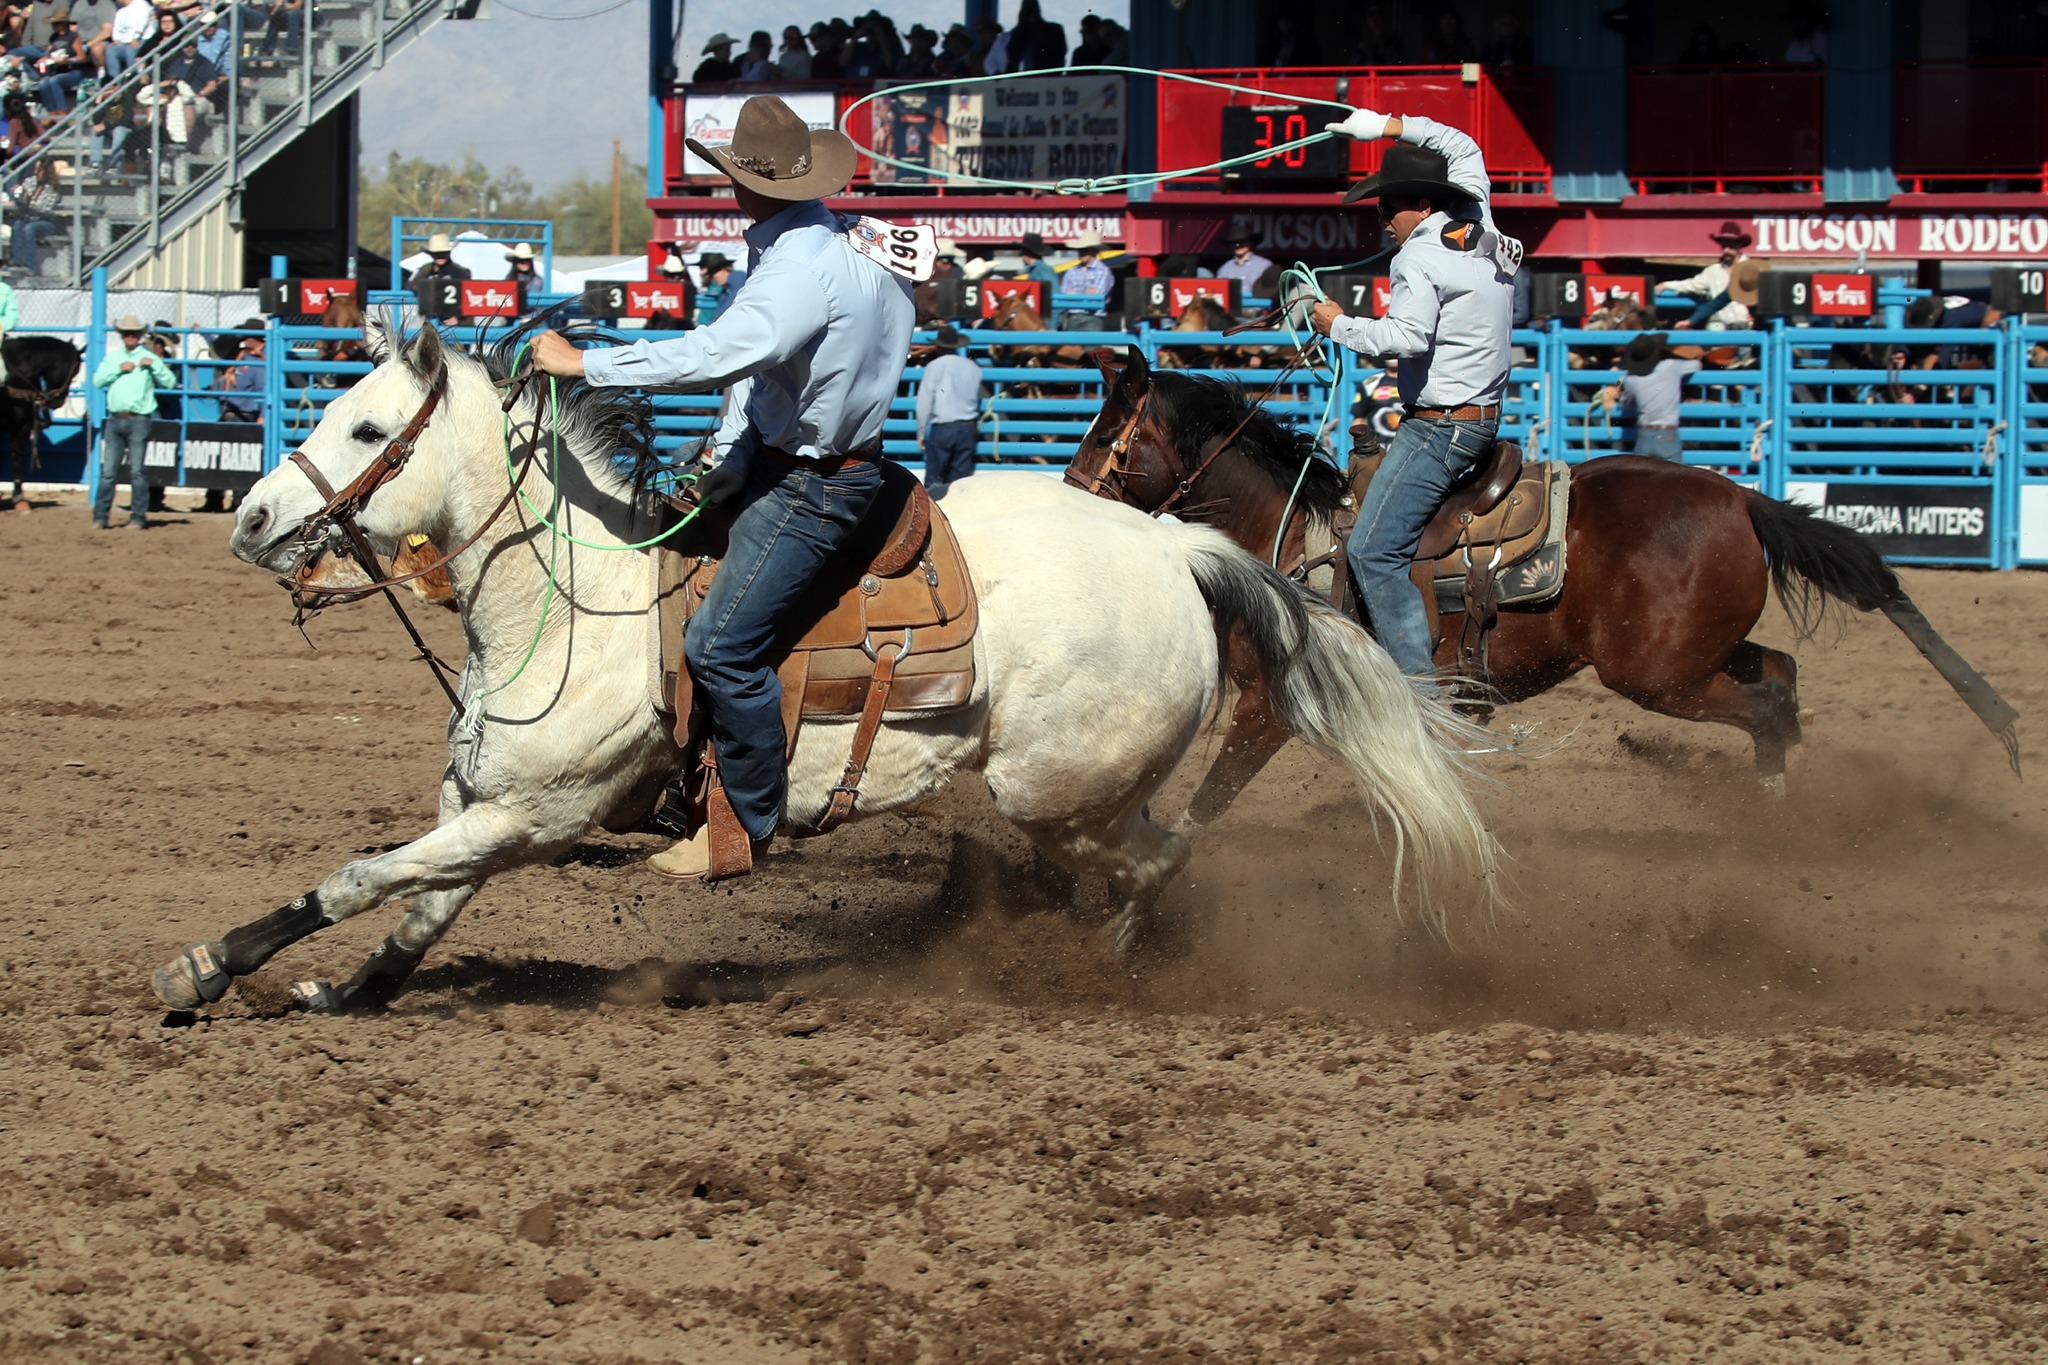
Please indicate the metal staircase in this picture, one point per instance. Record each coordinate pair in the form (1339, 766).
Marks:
(120, 222)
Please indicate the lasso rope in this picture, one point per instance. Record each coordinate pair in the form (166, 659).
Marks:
(1106, 184)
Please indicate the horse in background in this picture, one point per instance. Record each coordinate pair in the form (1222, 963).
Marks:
(40, 372)
(343, 311)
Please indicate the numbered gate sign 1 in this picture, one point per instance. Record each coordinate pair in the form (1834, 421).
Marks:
(2019, 288)
(993, 292)
(439, 298)
(1784, 294)
(492, 299)
(1360, 296)
(278, 297)
(1558, 296)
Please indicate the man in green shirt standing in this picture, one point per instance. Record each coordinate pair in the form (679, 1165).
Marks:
(131, 374)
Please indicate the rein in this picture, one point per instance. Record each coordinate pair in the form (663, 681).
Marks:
(1186, 485)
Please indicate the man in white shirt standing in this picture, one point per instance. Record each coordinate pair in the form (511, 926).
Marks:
(1448, 320)
(948, 413)
(1713, 281)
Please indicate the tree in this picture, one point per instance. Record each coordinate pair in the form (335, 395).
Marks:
(581, 209)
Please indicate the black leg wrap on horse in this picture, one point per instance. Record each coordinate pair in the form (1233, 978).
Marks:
(249, 947)
(379, 980)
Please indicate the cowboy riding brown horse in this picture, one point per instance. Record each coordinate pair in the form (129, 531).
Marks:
(1670, 568)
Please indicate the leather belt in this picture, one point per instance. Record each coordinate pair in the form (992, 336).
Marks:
(1471, 412)
(827, 465)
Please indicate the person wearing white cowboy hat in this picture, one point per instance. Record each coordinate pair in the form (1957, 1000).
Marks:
(810, 352)
(1088, 283)
(525, 267)
(440, 263)
(718, 67)
(1712, 281)
(1448, 319)
(131, 374)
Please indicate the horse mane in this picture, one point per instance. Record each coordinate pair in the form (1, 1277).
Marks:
(611, 429)
(1197, 410)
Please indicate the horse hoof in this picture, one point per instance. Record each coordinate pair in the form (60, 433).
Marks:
(193, 978)
(317, 997)
(1125, 931)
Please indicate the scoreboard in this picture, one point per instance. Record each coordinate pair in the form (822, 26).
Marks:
(1249, 128)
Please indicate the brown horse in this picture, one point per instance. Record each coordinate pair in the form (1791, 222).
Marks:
(1669, 569)
(343, 311)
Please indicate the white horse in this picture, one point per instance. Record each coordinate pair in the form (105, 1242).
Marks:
(1096, 666)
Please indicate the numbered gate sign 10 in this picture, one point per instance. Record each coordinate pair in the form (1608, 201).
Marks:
(2019, 288)
(1557, 296)
(1360, 296)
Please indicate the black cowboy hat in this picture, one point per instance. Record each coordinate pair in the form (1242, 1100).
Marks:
(1926, 312)
(711, 262)
(1033, 244)
(1731, 235)
(1410, 173)
(949, 338)
(1643, 352)
(1240, 232)
(778, 156)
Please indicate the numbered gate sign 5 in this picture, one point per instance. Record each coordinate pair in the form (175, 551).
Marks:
(2019, 288)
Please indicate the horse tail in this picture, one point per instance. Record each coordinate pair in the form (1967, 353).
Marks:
(1333, 685)
(1815, 562)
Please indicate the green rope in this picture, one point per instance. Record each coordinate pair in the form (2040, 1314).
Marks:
(1099, 185)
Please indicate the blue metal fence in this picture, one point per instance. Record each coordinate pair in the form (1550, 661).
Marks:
(1789, 410)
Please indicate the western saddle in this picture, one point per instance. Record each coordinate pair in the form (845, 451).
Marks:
(1503, 514)
(888, 628)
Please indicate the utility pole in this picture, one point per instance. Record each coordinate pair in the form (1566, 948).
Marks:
(615, 196)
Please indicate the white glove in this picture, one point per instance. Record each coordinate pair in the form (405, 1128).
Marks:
(1363, 124)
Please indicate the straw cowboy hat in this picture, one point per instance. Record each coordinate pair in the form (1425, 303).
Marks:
(719, 40)
(522, 252)
(1410, 173)
(1742, 281)
(129, 323)
(978, 269)
(672, 266)
(439, 245)
(948, 247)
(949, 338)
(1087, 243)
(1731, 235)
(776, 154)
(1642, 353)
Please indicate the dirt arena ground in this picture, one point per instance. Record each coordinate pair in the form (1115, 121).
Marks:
(1735, 1078)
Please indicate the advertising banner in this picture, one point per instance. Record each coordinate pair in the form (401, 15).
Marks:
(1917, 520)
(1029, 128)
(225, 455)
(709, 118)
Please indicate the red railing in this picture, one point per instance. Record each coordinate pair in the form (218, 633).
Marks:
(1507, 113)
(1971, 123)
(1709, 129)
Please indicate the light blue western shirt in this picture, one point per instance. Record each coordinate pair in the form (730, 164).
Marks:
(949, 392)
(1452, 304)
(1091, 279)
(811, 351)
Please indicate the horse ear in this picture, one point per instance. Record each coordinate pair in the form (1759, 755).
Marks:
(1137, 375)
(424, 356)
(377, 339)
(1110, 363)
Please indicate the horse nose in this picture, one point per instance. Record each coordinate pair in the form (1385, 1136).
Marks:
(251, 529)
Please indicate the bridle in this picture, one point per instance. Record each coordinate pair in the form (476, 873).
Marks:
(1113, 469)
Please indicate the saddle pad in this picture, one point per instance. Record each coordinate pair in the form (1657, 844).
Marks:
(1532, 568)
(1518, 523)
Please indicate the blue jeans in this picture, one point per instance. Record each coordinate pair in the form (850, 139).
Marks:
(55, 91)
(948, 455)
(118, 58)
(791, 522)
(1075, 321)
(124, 439)
(1660, 443)
(1426, 459)
(26, 245)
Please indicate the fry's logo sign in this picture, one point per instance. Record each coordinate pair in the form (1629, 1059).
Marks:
(490, 299)
(1843, 296)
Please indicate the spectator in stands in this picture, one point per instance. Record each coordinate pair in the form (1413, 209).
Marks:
(200, 83)
(440, 264)
(525, 267)
(1032, 249)
(1087, 279)
(17, 21)
(286, 18)
(1949, 312)
(1036, 43)
(32, 211)
(1809, 35)
(62, 67)
(826, 64)
(241, 384)
(215, 42)
(1091, 50)
(920, 63)
(113, 124)
(869, 58)
(948, 413)
(718, 283)
(1448, 42)
(718, 67)
(125, 33)
(1653, 386)
(1118, 38)
(1712, 281)
(758, 64)
(163, 35)
(1292, 45)
(1378, 45)
(990, 46)
(131, 374)
(1245, 265)
(794, 60)
(956, 53)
